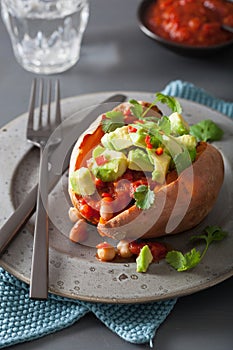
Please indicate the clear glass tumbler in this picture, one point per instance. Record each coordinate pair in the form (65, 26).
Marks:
(46, 35)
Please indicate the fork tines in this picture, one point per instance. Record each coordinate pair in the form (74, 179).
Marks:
(37, 123)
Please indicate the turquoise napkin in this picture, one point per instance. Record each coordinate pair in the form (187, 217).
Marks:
(22, 319)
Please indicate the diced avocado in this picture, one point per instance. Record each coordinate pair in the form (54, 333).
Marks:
(172, 146)
(118, 139)
(81, 182)
(114, 167)
(188, 141)
(97, 151)
(139, 160)
(106, 141)
(178, 125)
(161, 165)
(138, 138)
(144, 259)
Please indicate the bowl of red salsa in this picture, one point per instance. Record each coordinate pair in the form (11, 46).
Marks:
(194, 26)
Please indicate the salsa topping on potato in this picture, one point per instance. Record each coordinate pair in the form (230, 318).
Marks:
(134, 160)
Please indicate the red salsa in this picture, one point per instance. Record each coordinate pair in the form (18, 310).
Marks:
(191, 22)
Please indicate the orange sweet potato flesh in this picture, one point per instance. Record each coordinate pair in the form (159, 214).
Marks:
(179, 205)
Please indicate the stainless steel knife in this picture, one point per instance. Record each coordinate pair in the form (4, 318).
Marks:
(60, 158)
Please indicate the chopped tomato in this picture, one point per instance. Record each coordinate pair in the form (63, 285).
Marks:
(158, 250)
(191, 22)
(134, 185)
(106, 195)
(88, 212)
(99, 183)
(127, 112)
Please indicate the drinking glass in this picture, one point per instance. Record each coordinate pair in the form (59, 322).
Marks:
(46, 35)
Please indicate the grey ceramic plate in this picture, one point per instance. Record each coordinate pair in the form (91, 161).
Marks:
(74, 270)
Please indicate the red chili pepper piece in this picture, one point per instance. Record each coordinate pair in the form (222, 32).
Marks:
(132, 128)
(148, 142)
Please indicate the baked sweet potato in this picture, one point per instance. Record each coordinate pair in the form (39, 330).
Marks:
(181, 201)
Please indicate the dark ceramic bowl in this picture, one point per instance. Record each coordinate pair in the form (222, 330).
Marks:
(172, 45)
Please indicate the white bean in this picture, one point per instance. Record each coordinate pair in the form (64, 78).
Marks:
(79, 233)
(123, 249)
(74, 214)
(106, 210)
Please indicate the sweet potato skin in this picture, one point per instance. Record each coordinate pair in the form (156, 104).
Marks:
(179, 205)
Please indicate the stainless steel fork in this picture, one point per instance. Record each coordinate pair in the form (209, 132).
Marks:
(39, 132)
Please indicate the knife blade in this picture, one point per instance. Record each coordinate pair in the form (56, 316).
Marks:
(60, 158)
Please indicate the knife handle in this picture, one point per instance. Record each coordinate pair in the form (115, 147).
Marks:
(18, 218)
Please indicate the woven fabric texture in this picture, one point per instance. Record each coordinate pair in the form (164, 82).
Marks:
(22, 319)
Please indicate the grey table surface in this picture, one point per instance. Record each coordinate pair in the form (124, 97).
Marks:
(117, 56)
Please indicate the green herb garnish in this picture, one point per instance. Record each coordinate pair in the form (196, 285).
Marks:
(170, 101)
(206, 130)
(144, 197)
(184, 262)
(136, 109)
(114, 120)
(164, 125)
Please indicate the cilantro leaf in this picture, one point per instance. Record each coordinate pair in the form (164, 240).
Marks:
(136, 109)
(144, 197)
(211, 234)
(164, 125)
(183, 262)
(114, 120)
(206, 130)
(170, 101)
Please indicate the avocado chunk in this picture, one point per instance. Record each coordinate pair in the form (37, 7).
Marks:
(144, 259)
(161, 165)
(82, 183)
(188, 141)
(139, 160)
(118, 139)
(172, 146)
(138, 138)
(97, 151)
(178, 125)
(114, 165)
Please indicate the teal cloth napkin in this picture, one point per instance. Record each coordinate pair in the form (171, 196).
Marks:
(22, 319)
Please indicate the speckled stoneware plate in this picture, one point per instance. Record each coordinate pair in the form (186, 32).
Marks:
(73, 269)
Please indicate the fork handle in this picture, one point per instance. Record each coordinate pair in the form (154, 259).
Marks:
(39, 267)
